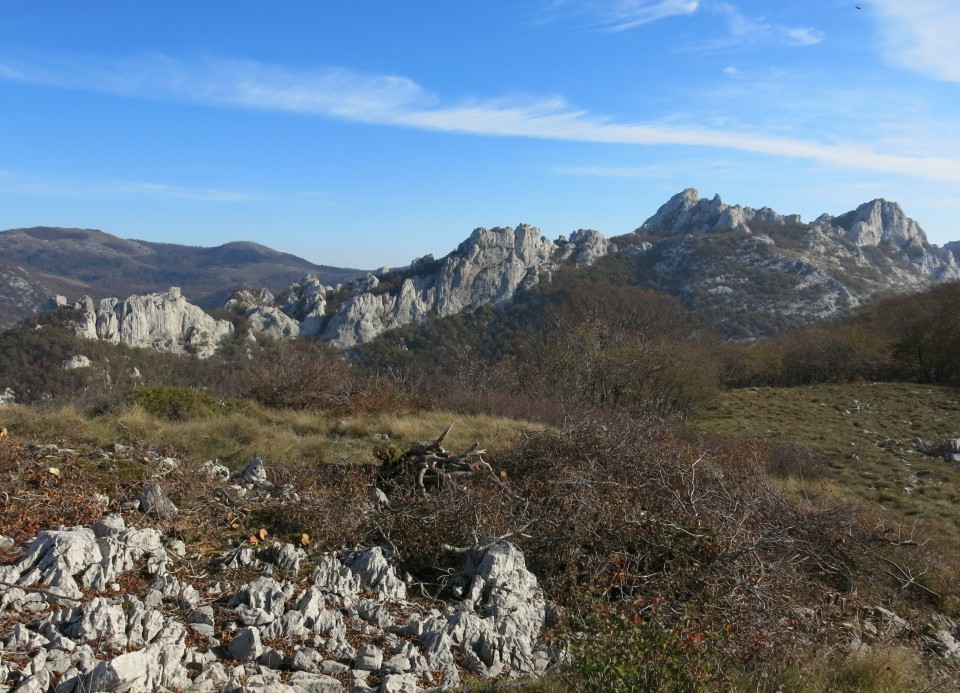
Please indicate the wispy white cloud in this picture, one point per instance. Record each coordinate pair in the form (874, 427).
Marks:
(744, 31)
(628, 14)
(651, 171)
(8, 72)
(177, 192)
(52, 186)
(331, 90)
(615, 15)
(803, 35)
(399, 101)
(921, 35)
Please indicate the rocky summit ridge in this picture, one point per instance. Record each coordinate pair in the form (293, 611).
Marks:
(489, 267)
(752, 271)
(748, 272)
(876, 223)
(723, 261)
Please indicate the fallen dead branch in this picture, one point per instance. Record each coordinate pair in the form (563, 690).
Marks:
(428, 463)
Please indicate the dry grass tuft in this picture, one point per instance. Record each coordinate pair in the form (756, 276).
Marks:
(886, 669)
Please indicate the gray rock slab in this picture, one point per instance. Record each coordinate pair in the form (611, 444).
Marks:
(154, 502)
(245, 644)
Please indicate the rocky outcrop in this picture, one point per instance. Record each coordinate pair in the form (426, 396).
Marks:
(351, 627)
(164, 322)
(750, 272)
(74, 362)
(876, 222)
(953, 247)
(306, 302)
(7, 396)
(487, 268)
(264, 318)
(688, 213)
(947, 449)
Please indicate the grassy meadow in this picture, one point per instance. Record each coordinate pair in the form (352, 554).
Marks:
(862, 433)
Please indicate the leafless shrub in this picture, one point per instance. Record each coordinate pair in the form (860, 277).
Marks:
(795, 461)
(331, 504)
(301, 374)
(683, 535)
(313, 375)
(327, 503)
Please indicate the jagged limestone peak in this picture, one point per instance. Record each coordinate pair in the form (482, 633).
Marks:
(688, 213)
(878, 221)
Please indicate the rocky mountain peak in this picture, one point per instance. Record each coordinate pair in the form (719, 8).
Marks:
(878, 221)
(723, 261)
(688, 213)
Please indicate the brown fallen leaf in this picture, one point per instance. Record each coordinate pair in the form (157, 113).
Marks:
(305, 539)
(54, 471)
(262, 534)
(253, 540)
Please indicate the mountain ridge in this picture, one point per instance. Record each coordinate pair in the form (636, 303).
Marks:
(39, 262)
(746, 272)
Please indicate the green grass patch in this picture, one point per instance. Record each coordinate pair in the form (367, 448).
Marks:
(864, 434)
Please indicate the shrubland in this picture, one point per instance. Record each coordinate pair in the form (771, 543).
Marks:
(704, 516)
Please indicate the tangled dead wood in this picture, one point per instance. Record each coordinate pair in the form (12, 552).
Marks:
(428, 463)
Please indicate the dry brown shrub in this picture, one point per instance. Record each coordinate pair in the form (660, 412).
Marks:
(313, 375)
(329, 503)
(498, 400)
(299, 374)
(684, 534)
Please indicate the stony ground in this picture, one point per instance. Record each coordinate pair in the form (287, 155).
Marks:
(117, 605)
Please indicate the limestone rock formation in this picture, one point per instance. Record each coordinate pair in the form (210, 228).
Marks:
(306, 302)
(875, 223)
(351, 629)
(74, 362)
(165, 322)
(7, 396)
(688, 213)
(264, 318)
(953, 247)
(487, 268)
(750, 271)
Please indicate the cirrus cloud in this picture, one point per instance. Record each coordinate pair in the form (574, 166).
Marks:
(398, 101)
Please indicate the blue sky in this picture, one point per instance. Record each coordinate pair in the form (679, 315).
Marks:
(368, 133)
